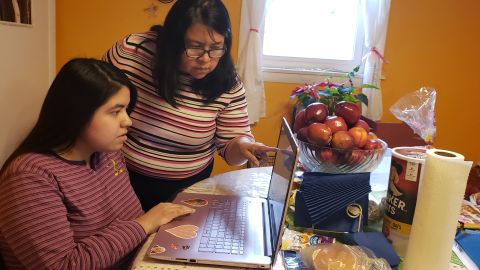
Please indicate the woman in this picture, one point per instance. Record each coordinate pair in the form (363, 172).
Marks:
(191, 101)
(66, 201)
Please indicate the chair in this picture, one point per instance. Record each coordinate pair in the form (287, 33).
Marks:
(2, 263)
(397, 134)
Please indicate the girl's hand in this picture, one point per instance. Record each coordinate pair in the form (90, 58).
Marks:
(161, 214)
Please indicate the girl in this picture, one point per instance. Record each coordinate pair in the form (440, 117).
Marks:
(66, 201)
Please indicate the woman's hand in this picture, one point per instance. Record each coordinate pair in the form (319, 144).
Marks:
(161, 214)
(243, 149)
(256, 153)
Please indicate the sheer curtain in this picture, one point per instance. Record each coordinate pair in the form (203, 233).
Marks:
(375, 19)
(250, 49)
(249, 65)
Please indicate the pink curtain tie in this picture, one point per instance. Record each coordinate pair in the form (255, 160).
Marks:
(376, 52)
(253, 30)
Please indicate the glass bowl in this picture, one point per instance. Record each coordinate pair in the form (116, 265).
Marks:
(331, 160)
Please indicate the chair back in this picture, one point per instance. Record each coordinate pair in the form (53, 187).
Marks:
(397, 134)
(2, 264)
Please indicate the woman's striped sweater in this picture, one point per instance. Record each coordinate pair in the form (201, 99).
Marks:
(174, 143)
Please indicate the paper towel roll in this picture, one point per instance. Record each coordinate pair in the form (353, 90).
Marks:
(439, 200)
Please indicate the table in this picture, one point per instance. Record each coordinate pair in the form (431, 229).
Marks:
(252, 182)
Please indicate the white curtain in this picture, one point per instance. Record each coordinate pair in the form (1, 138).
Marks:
(375, 19)
(250, 49)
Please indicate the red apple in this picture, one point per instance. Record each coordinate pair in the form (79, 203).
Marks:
(342, 140)
(326, 155)
(371, 135)
(302, 134)
(336, 123)
(349, 111)
(359, 136)
(316, 113)
(372, 144)
(319, 134)
(355, 157)
(299, 121)
(361, 123)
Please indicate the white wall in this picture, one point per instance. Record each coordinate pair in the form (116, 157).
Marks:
(27, 67)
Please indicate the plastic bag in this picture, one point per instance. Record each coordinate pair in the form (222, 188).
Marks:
(338, 256)
(417, 110)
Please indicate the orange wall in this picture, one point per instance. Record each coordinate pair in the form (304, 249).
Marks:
(435, 43)
(429, 43)
(88, 28)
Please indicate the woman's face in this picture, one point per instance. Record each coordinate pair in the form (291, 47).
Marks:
(198, 36)
(107, 130)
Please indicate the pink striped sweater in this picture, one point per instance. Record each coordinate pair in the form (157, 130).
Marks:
(59, 214)
(174, 143)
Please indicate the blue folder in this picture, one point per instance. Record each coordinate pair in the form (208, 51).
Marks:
(469, 244)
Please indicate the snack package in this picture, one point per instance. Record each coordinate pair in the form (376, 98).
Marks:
(336, 256)
(475, 199)
(417, 111)
(295, 241)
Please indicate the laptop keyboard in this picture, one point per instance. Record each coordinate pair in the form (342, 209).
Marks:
(224, 230)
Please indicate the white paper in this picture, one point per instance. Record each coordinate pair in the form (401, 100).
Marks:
(438, 206)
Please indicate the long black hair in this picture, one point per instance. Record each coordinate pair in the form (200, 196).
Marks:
(171, 45)
(79, 89)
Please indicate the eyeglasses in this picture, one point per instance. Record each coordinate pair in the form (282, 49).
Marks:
(198, 52)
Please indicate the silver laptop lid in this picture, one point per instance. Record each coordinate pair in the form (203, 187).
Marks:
(281, 184)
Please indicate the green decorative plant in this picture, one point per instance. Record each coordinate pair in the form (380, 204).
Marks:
(330, 93)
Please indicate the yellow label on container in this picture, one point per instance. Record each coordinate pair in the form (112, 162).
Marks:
(396, 226)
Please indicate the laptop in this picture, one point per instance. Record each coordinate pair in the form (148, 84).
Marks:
(233, 230)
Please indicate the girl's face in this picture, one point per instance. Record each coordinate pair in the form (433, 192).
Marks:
(198, 36)
(107, 130)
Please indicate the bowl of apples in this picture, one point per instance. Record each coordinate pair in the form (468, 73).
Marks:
(337, 143)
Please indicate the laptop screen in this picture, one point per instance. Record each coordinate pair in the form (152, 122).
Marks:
(282, 173)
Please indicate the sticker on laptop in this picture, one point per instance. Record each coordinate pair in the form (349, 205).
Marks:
(196, 202)
(157, 250)
(184, 231)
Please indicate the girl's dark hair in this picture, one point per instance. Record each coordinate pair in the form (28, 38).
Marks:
(79, 89)
(171, 45)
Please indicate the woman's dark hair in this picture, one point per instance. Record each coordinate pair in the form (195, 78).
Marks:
(171, 45)
(79, 89)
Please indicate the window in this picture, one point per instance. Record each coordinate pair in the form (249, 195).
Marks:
(311, 38)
